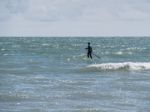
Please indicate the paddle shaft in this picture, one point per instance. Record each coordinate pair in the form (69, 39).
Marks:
(96, 56)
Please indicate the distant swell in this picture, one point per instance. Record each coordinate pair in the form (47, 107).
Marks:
(130, 66)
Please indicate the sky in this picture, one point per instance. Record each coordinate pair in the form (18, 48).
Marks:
(74, 17)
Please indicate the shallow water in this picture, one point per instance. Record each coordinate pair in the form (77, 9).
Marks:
(54, 75)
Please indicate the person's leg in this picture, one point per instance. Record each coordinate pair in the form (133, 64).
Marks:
(90, 55)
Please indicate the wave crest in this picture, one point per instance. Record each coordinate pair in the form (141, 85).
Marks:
(131, 66)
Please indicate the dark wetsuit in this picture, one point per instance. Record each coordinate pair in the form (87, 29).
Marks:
(89, 53)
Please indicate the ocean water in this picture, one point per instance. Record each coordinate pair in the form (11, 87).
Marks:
(54, 74)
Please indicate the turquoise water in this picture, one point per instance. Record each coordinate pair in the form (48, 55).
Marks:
(54, 75)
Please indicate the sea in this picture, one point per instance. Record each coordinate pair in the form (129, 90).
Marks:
(53, 74)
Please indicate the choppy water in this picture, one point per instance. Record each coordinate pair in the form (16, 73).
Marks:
(54, 75)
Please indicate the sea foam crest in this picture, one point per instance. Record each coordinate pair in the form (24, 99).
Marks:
(120, 66)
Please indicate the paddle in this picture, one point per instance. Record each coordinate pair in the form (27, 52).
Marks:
(97, 56)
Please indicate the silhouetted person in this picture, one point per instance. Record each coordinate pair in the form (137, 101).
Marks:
(89, 51)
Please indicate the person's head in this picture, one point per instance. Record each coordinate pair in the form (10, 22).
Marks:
(88, 43)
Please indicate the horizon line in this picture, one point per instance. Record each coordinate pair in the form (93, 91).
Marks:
(70, 36)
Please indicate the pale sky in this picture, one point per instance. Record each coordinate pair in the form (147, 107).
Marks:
(74, 17)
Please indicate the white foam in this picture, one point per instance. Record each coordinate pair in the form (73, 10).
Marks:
(2, 49)
(121, 66)
(119, 53)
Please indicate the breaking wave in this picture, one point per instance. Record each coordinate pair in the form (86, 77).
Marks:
(130, 66)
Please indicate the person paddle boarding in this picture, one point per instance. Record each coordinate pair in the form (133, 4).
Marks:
(89, 51)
